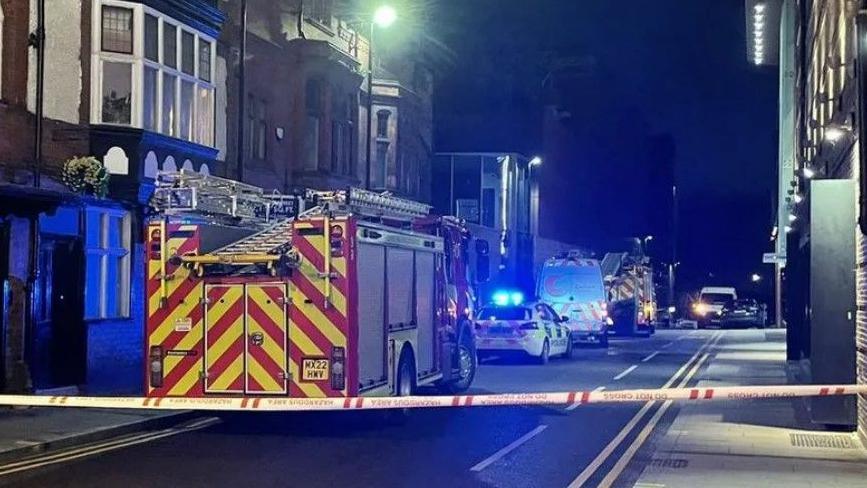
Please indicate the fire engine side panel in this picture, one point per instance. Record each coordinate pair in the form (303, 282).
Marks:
(427, 355)
(174, 310)
(371, 315)
(400, 287)
(319, 304)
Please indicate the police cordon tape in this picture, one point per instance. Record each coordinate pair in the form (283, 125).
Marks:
(284, 404)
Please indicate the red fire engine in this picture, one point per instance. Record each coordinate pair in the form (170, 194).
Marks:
(341, 293)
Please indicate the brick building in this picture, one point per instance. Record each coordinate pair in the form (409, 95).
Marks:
(304, 111)
(134, 84)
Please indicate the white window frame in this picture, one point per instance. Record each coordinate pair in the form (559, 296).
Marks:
(138, 61)
(103, 252)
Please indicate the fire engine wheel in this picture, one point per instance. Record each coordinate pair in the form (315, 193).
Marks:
(405, 376)
(545, 356)
(467, 365)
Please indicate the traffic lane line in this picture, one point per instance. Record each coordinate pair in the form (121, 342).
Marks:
(650, 356)
(578, 404)
(625, 372)
(636, 444)
(606, 452)
(509, 448)
(102, 447)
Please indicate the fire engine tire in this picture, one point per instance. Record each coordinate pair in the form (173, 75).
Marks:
(467, 362)
(545, 356)
(405, 375)
(405, 386)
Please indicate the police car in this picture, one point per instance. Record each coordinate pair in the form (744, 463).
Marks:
(509, 325)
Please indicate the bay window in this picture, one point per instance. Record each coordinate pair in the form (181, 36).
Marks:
(152, 72)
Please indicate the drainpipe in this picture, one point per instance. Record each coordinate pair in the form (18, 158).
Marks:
(37, 42)
(242, 77)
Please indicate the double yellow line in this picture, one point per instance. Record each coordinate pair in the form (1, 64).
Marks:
(102, 447)
(690, 368)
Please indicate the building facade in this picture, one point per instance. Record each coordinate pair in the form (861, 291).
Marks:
(300, 118)
(821, 245)
(134, 85)
(497, 194)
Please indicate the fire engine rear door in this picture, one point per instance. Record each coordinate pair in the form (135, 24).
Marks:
(224, 339)
(266, 355)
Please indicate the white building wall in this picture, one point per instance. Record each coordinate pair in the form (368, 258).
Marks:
(63, 75)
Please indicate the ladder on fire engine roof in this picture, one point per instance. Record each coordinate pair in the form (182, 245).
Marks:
(365, 203)
(187, 192)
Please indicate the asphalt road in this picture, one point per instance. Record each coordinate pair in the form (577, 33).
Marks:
(479, 447)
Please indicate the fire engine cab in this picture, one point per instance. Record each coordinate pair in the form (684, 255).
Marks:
(330, 294)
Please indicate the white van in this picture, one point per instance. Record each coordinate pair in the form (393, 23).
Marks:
(574, 288)
(711, 302)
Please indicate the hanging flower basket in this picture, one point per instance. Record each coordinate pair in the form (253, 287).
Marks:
(85, 175)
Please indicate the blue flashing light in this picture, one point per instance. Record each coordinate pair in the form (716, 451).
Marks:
(504, 298)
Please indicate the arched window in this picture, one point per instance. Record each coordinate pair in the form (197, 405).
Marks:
(382, 123)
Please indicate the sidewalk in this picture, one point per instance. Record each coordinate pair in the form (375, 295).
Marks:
(29, 431)
(751, 443)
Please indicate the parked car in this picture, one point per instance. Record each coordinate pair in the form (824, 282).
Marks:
(532, 329)
(745, 312)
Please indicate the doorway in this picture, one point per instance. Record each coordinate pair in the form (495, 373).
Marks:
(58, 342)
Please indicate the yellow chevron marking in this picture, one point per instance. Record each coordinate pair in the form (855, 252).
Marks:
(233, 334)
(265, 380)
(304, 344)
(188, 342)
(232, 373)
(312, 275)
(185, 383)
(328, 329)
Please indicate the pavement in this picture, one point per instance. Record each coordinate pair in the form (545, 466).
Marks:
(29, 431)
(752, 443)
(744, 443)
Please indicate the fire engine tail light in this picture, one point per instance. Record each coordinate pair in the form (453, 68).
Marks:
(155, 366)
(336, 236)
(338, 368)
(156, 235)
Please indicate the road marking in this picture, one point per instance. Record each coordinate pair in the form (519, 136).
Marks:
(626, 372)
(666, 346)
(651, 356)
(618, 439)
(93, 449)
(506, 450)
(578, 404)
(627, 456)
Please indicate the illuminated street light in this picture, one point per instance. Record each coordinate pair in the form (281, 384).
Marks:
(792, 218)
(809, 173)
(835, 133)
(788, 229)
(759, 7)
(756, 278)
(384, 16)
(798, 198)
(536, 161)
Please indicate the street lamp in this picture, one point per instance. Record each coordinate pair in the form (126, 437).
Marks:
(756, 277)
(536, 161)
(383, 17)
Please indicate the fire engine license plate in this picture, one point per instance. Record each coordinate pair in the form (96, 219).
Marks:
(314, 369)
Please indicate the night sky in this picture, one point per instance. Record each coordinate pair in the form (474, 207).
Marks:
(669, 68)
